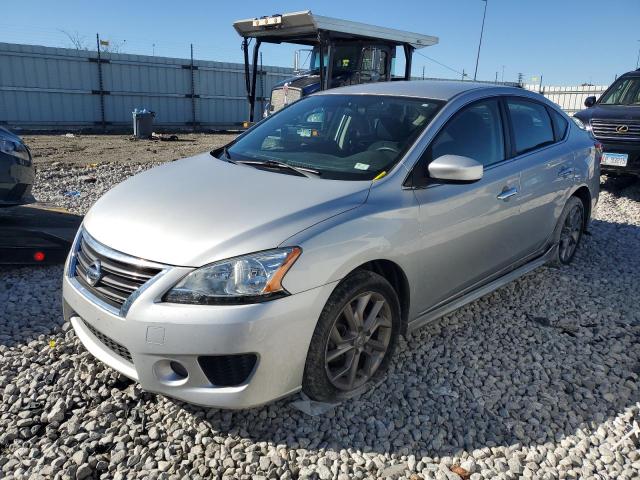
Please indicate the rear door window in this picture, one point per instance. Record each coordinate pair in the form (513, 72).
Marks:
(531, 125)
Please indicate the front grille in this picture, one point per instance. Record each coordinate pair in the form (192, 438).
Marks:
(279, 99)
(610, 129)
(228, 370)
(112, 345)
(118, 280)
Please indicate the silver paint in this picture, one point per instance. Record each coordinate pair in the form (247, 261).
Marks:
(452, 241)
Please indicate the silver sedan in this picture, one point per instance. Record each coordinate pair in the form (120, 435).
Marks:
(294, 257)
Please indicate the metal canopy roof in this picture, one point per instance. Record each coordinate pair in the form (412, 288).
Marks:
(303, 27)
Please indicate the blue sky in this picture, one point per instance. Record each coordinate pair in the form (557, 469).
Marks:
(566, 41)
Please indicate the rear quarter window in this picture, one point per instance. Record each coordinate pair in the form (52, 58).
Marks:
(560, 125)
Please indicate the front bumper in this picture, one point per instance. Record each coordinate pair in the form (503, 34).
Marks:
(16, 181)
(278, 332)
(631, 149)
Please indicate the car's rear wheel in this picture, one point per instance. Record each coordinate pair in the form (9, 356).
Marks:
(569, 230)
(354, 339)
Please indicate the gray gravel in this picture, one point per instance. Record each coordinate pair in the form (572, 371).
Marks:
(537, 380)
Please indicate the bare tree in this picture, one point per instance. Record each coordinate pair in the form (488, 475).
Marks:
(78, 41)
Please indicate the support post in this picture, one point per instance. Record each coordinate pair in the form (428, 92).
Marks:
(262, 75)
(252, 99)
(329, 75)
(321, 50)
(408, 55)
(245, 52)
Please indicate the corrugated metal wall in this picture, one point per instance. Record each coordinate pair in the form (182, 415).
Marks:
(570, 99)
(58, 88)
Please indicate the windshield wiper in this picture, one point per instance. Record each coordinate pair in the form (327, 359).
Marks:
(306, 172)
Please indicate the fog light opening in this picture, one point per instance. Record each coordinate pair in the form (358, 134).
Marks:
(171, 372)
(179, 370)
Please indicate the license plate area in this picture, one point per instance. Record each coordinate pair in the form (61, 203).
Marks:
(615, 159)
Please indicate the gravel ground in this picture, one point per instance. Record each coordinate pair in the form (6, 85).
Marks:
(537, 380)
(88, 149)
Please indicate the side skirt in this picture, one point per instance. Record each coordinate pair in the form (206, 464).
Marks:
(481, 291)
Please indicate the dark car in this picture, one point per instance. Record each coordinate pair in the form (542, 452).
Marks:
(614, 120)
(16, 170)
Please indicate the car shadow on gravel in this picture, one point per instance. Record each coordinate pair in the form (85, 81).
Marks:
(30, 303)
(550, 354)
(627, 186)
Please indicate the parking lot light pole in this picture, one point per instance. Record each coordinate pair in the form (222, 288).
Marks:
(475, 74)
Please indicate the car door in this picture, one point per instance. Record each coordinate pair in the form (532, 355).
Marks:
(546, 164)
(468, 230)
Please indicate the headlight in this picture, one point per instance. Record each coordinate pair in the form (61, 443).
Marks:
(581, 124)
(250, 278)
(15, 149)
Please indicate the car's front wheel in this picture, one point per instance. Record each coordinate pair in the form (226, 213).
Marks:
(354, 339)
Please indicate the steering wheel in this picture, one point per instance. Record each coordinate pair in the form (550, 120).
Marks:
(387, 149)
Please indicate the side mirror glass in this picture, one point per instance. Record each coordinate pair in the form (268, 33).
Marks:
(589, 102)
(456, 168)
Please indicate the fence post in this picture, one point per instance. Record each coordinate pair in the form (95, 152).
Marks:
(100, 85)
(193, 93)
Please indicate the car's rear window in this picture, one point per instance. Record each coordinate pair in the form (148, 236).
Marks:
(345, 137)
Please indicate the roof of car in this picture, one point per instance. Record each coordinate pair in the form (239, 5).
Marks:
(434, 89)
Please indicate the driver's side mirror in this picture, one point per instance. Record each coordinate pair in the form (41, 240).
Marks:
(589, 101)
(455, 168)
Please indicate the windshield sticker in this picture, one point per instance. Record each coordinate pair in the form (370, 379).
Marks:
(361, 166)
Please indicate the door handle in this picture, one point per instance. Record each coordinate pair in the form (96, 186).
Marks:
(565, 172)
(507, 193)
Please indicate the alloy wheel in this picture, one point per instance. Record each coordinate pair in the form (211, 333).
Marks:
(358, 341)
(570, 234)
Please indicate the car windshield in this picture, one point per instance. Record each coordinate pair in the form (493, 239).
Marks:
(343, 137)
(626, 91)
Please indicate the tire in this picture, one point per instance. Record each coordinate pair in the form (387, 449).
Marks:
(335, 345)
(568, 232)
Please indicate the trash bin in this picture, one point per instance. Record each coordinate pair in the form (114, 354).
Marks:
(143, 123)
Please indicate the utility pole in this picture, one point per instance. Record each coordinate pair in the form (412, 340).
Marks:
(423, 72)
(496, 78)
(463, 74)
(475, 74)
(520, 77)
(502, 80)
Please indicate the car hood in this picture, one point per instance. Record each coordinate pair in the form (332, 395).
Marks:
(609, 112)
(198, 210)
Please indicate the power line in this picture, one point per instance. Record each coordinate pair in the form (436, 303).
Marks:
(439, 63)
